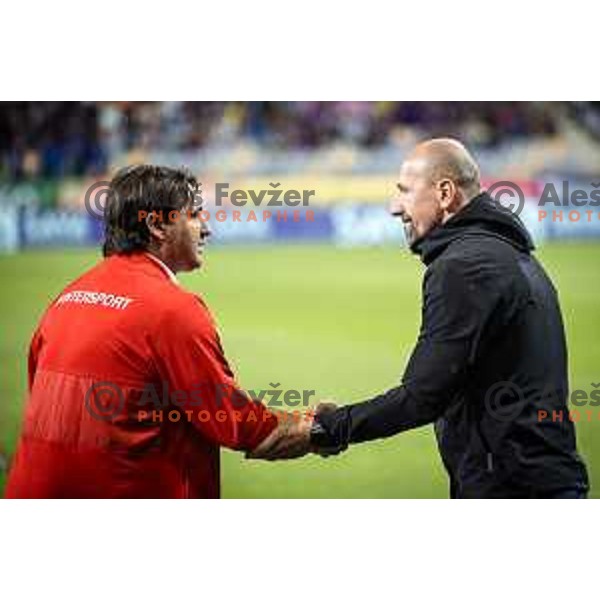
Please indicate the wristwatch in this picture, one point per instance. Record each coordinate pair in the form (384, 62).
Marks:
(321, 441)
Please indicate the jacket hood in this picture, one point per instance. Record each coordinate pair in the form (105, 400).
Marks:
(481, 216)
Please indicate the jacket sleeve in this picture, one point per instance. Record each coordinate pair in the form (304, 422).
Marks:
(459, 300)
(35, 349)
(191, 360)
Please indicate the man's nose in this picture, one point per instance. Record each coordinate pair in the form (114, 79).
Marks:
(205, 230)
(395, 207)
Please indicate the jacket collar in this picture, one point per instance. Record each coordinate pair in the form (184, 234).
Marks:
(481, 216)
(163, 266)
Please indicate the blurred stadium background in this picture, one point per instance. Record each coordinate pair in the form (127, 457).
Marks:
(331, 305)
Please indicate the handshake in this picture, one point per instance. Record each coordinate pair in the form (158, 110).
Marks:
(296, 438)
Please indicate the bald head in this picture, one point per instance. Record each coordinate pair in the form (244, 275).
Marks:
(445, 158)
(437, 180)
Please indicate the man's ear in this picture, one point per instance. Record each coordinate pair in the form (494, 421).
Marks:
(156, 227)
(447, 193)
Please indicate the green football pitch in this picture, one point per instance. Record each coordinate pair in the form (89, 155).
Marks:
(341, 322)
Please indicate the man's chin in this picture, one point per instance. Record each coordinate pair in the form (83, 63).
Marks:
(199, 260)
(194, 263)
(198, 263)
(410, 235)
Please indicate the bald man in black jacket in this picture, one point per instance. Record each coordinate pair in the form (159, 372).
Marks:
(491, 351)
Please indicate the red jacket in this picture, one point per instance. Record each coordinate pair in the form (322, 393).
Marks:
(130, 395)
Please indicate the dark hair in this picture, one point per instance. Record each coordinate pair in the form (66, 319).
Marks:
(143, 188)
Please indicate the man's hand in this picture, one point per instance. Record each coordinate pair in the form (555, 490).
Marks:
(290, 439)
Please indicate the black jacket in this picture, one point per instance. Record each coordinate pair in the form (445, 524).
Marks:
(491, 353)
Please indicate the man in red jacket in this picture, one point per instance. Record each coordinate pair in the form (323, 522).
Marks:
(98, 421)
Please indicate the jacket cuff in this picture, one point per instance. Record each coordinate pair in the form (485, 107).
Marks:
(330, 430)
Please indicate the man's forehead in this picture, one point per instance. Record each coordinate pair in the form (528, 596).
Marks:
(413, 168)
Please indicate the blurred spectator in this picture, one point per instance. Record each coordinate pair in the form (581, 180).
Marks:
(57, 139)
(49, 140)
(588, 116)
